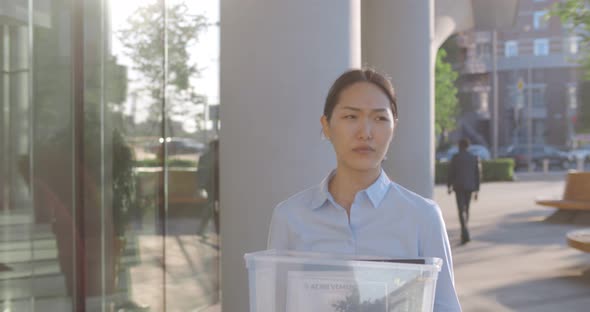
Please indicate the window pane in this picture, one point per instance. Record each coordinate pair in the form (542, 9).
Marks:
(149, 128)
(164, 114)
(539, 19)
(511, 48)
(572, 98)
(541, 47)
(572, 45)
(192, 218)
(538, 97)
(36, 179)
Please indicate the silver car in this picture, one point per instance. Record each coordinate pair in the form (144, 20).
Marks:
(478, 150)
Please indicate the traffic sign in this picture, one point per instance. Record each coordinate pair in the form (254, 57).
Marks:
(520, 84)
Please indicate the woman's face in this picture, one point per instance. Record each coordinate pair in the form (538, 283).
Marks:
(361, 126)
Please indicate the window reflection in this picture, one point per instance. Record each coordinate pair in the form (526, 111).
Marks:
(147, 187)
(170, 121)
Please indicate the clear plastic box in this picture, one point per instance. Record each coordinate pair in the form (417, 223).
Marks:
(290, 281)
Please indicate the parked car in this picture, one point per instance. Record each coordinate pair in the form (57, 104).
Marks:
(539, 152)
(582, 152)
(179, 146)
(478, 150)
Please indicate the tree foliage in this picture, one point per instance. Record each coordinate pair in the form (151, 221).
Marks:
(153, 33)
(576, 15)
(445, 94)
(583, 120)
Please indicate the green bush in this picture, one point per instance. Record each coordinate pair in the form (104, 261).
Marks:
(501, 169)
(174, 162)
(440, 172)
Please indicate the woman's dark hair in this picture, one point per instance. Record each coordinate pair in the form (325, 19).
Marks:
(359, 75)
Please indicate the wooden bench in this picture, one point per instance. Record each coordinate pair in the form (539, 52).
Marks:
(576, 195)
(579, 239)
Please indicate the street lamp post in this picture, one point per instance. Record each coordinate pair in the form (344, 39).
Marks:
(529, 105)
(530, 116)
(495, 95)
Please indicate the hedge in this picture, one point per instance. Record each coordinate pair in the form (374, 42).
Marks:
(174, 162)
(501, 169)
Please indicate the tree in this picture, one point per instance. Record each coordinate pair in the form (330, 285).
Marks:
(445, 94)
(151, 31)
(583, 117)
(576, 15)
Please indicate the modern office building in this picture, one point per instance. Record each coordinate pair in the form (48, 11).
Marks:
(537, 74)
(142, 153)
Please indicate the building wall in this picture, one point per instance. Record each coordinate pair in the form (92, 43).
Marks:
(554, 83)
(554, 73)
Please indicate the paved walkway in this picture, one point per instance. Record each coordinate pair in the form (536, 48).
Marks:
(518, 259)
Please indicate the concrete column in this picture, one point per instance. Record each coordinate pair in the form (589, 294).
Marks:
(451, 16)
(278, 59)
(397, 38)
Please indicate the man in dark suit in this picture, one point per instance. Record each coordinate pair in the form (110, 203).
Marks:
(464, 178)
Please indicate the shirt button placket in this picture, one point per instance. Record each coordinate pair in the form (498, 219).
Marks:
(352, 234)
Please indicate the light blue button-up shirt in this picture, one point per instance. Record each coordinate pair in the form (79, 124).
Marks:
(385, 220)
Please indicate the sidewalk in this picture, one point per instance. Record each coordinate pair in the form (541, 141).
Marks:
(518, 259)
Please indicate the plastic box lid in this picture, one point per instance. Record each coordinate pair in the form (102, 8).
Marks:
(289, 281)
(291, 256)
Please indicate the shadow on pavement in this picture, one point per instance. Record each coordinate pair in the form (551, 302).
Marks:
(534, 227)
(581, 218)
(561, 291)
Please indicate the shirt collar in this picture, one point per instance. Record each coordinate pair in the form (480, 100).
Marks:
(322, 194)
(375, 192)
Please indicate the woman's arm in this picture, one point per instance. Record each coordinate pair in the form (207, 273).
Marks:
(436, 244)
(278, 233)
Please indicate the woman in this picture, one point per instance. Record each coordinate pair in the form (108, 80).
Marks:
(357, 209)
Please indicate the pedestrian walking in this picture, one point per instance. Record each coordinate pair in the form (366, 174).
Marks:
(463, 178)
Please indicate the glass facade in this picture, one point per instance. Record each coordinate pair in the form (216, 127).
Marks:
(109, 162)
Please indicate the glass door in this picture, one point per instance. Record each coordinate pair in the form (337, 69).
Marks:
(109, 158)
